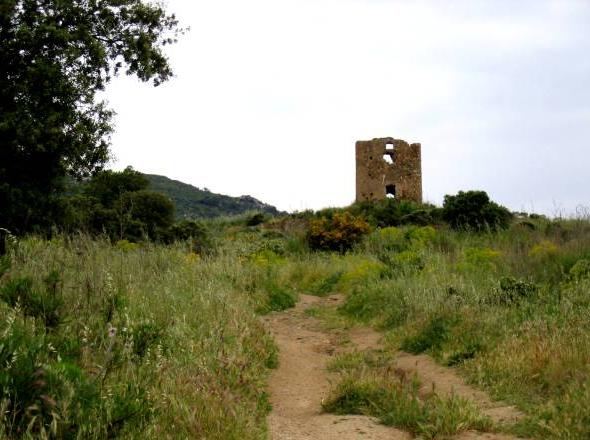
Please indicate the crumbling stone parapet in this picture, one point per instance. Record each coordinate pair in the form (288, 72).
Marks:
(388, 167)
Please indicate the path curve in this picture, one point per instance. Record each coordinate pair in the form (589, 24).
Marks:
(301, 381)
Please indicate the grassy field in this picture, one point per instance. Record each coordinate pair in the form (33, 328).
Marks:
(124, 340)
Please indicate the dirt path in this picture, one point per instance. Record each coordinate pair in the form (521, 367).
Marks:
(444, 381)
(301, 382)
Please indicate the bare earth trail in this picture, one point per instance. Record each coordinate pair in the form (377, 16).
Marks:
(301, 382)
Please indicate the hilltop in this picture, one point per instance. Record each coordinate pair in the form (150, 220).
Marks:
(193, 202)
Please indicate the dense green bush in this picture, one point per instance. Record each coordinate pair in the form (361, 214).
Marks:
(148, 213)
(256, 219)
(513, 290)
(473, 210)
(580, 270)
(391, 212)
(198, 235)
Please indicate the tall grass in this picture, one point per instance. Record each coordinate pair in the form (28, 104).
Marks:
(509, 309)
(152, 342)
(101, 340)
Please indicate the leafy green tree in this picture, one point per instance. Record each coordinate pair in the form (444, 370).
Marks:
(473, 210)
(55, 55)
(149, 213)
(108, 186)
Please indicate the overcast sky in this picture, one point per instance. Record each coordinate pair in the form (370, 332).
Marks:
(271, 95)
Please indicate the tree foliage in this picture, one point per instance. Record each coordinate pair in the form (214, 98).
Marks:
(55, 55)
(119, 204)
(473, 210)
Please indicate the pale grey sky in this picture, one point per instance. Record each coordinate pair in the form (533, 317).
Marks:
(271, 95)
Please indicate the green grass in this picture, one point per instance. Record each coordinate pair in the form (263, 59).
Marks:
(508, 309)
(396, 402)
(101, 340)
(146, 342)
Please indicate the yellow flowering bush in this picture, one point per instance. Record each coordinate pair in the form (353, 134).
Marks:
(126, 245)
(421, 235)
(338, 233)
(544, 249)
(192, 258)
(362, 270)
(479, 258)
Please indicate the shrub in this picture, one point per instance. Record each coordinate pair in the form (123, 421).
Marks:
(363, 269)
(473, 210)
(145, 336)
(407, 260)
(513, 290)
(386, 302)
(421, 235)
(432, 336)
(580, 270)
(479, 259)
(150, 212)
(198, 235)
(391, 212)
(126, 246)
(265, 258)
(45, 305)
(544, 250)
(340, 232)
(255, 219)
(43, 396)
(387, 239)
(277, 298)
(421, 217)
(326, 285)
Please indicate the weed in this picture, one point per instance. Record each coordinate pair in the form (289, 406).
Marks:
(278, 298)
(396, 402)
(580, 270)
(145, 336)
(513, 290)
(45, 305)
(460, 356)
(326, 285)
(432, 336)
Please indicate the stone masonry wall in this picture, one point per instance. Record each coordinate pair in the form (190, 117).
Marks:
(388, 167)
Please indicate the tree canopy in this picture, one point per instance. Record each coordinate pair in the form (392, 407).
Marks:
(473, 210)
(55, 55)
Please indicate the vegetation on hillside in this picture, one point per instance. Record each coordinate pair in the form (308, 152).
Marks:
(194, 203)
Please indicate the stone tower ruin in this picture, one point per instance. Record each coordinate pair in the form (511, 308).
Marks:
(388, 167)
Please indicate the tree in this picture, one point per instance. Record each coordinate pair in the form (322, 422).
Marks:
(473, 210)
(108, 186)
(150, 214)
(55, 55)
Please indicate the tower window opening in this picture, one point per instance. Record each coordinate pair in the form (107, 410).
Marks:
(390, 191)
(389, 154)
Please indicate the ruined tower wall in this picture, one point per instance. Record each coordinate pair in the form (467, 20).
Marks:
(375, 177)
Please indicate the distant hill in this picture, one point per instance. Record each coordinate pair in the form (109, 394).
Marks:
(192, 202)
